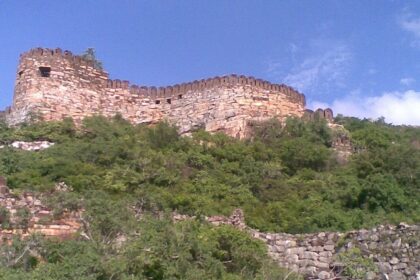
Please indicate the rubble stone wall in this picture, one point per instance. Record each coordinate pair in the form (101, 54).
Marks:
(54, 84)
(37, 218)
(393, 250)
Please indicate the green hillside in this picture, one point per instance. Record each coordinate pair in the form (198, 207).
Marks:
(286, 178)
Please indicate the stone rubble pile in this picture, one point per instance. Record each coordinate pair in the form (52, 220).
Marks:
(29, 146)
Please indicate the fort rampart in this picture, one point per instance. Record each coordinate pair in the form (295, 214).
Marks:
(54, 84)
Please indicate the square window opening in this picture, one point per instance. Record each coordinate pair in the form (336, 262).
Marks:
(180, 96)
(168, 101)
(45, 72)
(157, 101)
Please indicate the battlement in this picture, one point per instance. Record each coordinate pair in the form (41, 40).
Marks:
(326, 114)
(205, 84)
(54, 84)
(45, 52)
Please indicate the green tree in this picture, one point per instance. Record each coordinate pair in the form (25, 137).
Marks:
(90, 55)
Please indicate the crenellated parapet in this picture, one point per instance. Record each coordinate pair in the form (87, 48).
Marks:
(326, 114)
(54, 84)
(58, 54)
(207, 84)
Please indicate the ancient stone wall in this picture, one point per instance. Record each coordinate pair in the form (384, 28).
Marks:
(326, 114)
(24, 214)
(52, 85)
(394, 251)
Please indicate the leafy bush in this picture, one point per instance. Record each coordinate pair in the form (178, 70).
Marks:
(285, 177)
(356, 266)
(4, 217)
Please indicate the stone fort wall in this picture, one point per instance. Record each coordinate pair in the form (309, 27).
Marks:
(393, 251)
(54, 84)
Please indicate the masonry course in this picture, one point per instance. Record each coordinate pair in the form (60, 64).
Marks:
(55, 84)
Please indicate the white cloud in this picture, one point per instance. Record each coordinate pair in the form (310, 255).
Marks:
(324, 69)
(372, 71)
(407, 81)
(396, 107)
(411, 24)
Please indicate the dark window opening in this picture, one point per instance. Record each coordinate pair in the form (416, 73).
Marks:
(168, 101)
(20, 74)
(45, 71)
(180, 96)
(157, 102)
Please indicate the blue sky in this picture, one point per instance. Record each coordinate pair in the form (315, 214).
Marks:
(361, 58)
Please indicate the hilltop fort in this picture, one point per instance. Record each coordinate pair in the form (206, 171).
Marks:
(55, 84)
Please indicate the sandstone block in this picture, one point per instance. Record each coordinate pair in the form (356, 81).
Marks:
(321, 265)
(395, 275)
(324, 275)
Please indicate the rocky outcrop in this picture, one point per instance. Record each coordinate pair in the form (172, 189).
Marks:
(29, 146)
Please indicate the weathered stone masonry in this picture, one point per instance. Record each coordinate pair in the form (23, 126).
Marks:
(394, 250)
(54, 84)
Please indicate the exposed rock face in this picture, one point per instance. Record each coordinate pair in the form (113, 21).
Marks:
(30, 146)
(52, 85)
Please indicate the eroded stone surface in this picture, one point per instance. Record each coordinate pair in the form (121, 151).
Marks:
(40, 219)
(52, 85)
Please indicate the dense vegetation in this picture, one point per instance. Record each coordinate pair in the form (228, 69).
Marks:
(286, 178)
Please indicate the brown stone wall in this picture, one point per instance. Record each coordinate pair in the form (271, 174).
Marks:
(76, 89)
(40, 218)
(326, 114)
(73, 88)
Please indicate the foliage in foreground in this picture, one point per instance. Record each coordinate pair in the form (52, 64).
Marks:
(155, 249)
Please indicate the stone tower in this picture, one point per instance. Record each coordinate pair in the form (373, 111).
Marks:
(54, 84)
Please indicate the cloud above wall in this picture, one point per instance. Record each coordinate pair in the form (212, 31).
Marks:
(411, 24)
(325, 68)
(407, 81)
(396, 107)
